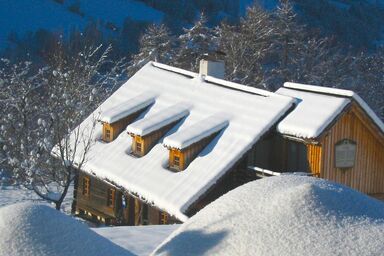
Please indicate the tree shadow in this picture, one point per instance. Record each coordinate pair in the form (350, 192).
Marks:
(195, 242)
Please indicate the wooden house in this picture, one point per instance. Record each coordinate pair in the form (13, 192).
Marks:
(189, 138)
(332, 134)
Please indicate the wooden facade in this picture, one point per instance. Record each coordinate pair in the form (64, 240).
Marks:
(287, 154)
(111, 131)
(101, 202)
(367, 174)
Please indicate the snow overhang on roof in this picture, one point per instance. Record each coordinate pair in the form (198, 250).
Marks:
(128, 107)
(251, 116)
(317, 107)
(160, 119)
(197, 131)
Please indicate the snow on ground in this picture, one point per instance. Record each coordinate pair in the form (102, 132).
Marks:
(286, 215)
(17, 194)
(36, 229)
(140, 240)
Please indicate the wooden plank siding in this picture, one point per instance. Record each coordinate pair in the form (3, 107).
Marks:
(314, 155)
(367, 175)
(97, 200)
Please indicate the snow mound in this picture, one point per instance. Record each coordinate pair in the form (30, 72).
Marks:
(286, 215)
(35, 229)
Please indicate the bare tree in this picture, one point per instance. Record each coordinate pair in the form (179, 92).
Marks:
(43, 142)
(246, 46)
(155, 44)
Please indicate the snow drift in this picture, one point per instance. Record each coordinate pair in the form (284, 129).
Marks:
(286, 215)
(34, 229)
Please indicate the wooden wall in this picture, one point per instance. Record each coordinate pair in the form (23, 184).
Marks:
(367, 175)
(97, 200)
(132, 212)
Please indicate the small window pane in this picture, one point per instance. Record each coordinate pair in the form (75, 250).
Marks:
(138, 146)
(111, 197)
(176, 161)
(86, 185)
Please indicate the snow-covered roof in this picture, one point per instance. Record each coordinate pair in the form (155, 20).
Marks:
(128, 107)
(36, 229)
(313, 113)
(252, 115)
(159, 119)
(318, 104)
(285, 215)
(196, 132)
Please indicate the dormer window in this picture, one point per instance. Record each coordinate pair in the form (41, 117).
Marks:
(117, 118)
(147, 132)
(186, 144)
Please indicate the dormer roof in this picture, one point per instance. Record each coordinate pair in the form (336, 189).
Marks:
(128, 107)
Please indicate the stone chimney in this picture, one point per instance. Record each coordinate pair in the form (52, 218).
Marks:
(212, 65)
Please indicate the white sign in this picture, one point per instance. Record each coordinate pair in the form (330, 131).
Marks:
(345, 154)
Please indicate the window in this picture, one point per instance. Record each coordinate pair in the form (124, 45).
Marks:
(138, 146)
(145, 215)
(107, 134)
(176, 161)
(163, 218)
(111, 197)
(86, 186)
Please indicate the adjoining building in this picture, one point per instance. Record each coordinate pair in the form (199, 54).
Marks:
(331, 133)
(170, 141)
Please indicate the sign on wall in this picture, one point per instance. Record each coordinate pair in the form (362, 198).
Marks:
(345, 153)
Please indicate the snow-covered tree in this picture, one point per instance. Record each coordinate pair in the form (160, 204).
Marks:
(193, 43)
(40, 137)
(156, 44)
(246, 46)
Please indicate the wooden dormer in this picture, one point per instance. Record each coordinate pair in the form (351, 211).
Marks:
(147, 132)
(185, 146)
(117, 118)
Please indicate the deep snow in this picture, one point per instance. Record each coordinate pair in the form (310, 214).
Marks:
(140, 240)
(36, 229)
(286, 215)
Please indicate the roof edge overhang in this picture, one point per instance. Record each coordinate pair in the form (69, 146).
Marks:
(341, 93)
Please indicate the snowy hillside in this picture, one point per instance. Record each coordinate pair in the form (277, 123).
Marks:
(19, 17)
(286, 215)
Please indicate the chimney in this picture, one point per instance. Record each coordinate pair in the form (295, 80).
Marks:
(212, 65)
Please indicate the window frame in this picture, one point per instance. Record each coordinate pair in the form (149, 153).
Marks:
(163, 218)
(111, 196)
(108, 134)
(86, 190)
